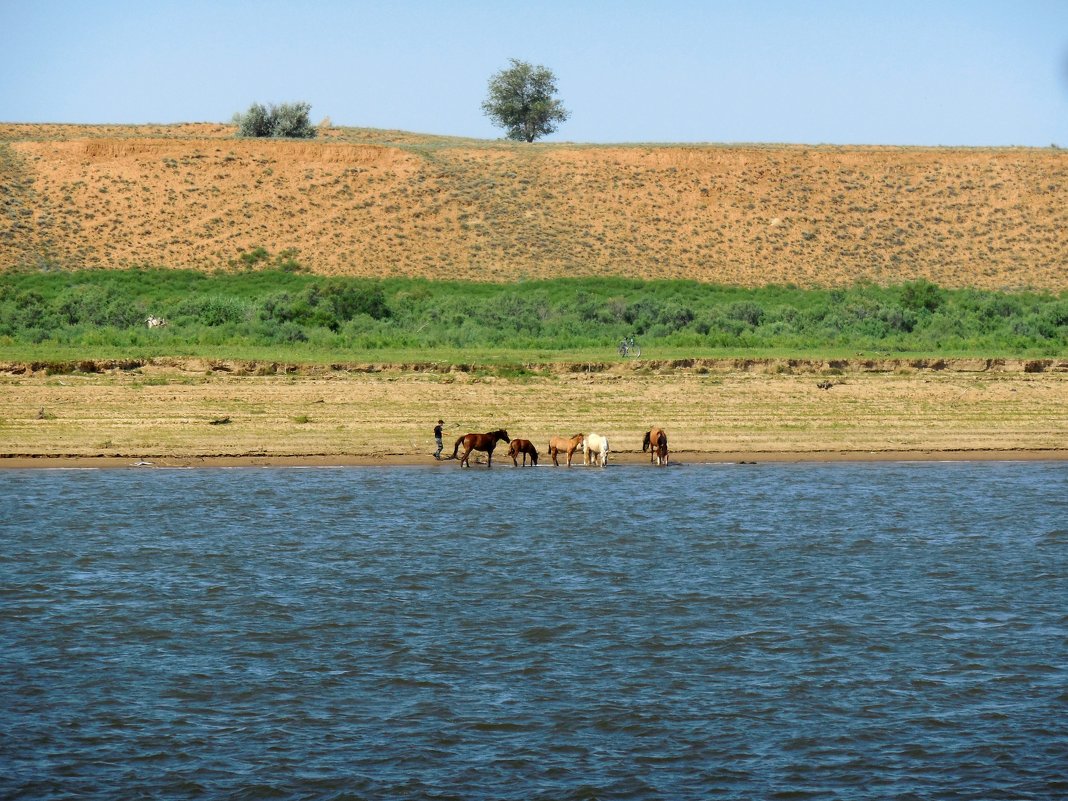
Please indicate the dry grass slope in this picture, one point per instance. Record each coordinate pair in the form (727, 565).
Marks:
(371, 202)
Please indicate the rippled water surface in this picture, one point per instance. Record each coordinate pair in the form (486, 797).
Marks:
(767, 631)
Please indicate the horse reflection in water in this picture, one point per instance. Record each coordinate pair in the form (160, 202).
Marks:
(524, 447)
(595, 450)
(656, 443)
(479, 442)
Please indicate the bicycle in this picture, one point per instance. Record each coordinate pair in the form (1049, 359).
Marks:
(628, 347)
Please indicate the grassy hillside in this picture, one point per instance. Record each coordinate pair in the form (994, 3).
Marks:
(372, 203)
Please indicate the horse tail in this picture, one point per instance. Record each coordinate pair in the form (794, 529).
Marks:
(645, 442)
(456, 447)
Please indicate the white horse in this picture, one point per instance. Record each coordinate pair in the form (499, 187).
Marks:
(595, 450)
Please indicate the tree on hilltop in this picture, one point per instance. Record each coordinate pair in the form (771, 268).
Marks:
(289, 120)
(521, 100)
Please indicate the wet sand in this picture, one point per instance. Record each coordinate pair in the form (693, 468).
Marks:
(678, 459)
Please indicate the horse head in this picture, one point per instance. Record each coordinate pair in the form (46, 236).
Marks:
(500, 433)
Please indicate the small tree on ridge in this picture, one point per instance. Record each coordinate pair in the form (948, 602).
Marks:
(521, 101)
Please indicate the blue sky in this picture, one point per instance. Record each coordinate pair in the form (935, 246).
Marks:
(931, 72)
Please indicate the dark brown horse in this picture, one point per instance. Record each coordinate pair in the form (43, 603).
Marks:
(525, 447)
(656, 443)
(479, 442)
(566, 444)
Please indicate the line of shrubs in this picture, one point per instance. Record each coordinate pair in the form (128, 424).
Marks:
(268, 308)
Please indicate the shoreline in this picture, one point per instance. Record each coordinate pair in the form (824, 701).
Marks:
(678, 459)
(172, 418)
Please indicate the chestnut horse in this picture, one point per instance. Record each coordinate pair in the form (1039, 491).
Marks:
(566, 444)
(525, 447)
(479, 442)
(595, 450)
(656, 443)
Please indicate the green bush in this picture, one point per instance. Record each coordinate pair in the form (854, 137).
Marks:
(746, 311)
(289, 120)
(255, 257)
(921, 296)
(214, 310)
(254, 122)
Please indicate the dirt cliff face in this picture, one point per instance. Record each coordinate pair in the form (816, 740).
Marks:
(362, 202)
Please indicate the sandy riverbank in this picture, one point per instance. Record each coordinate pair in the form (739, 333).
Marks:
(189, 415)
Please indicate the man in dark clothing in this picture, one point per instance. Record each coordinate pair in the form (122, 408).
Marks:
(437, 437)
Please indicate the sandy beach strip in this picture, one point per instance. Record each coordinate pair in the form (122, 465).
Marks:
(184, 418)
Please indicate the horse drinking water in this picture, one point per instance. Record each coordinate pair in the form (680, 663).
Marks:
(656, 443)
(595, 450)
(525, 447)
(479, 442)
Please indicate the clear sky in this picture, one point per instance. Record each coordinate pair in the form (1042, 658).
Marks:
(922, 72)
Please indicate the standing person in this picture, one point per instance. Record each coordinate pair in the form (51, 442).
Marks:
(437, 438)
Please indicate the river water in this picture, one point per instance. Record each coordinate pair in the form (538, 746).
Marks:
(733, 631)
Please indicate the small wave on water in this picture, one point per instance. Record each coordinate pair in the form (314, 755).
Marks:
(845, 631)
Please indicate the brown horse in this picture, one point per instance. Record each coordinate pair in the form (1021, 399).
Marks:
(479, 442)
(656, 443)
(566, 444)
(525, 447)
